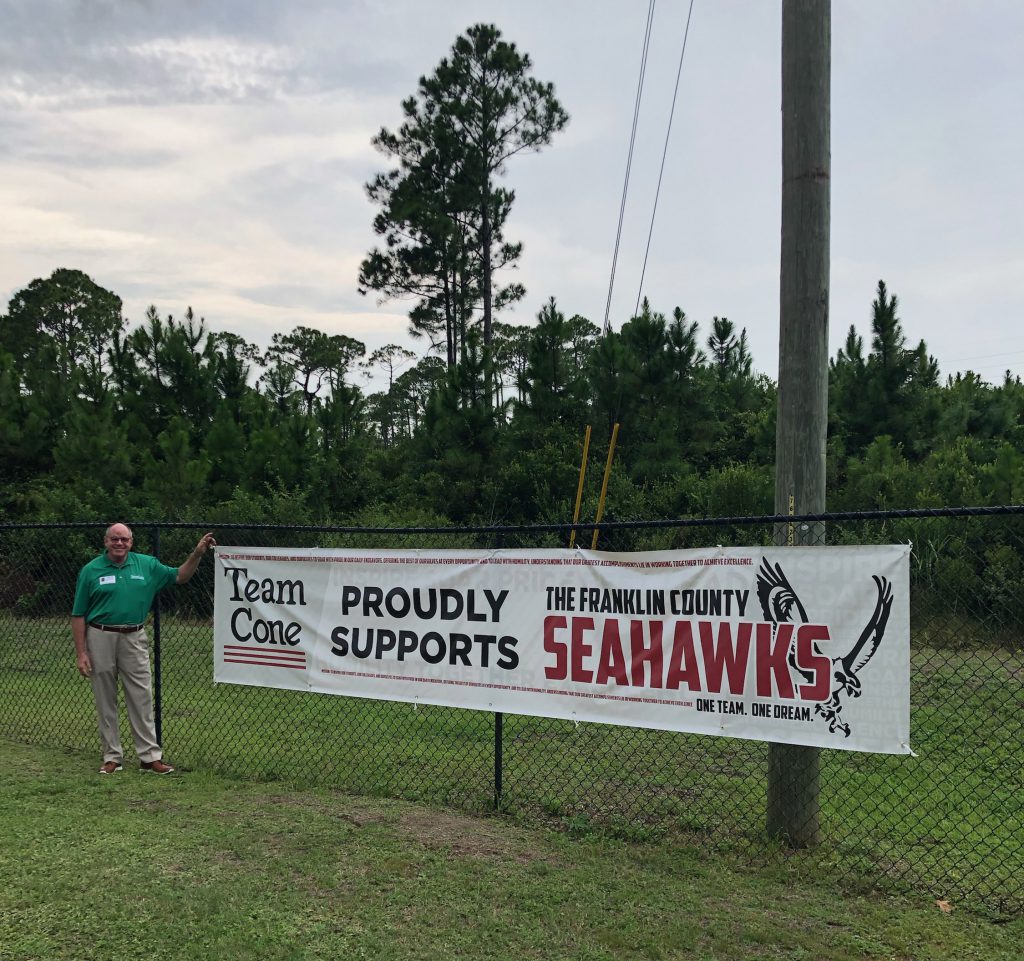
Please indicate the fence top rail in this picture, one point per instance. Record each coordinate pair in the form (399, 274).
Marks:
(679, 522)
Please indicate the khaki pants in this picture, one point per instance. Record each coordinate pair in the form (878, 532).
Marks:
(126, 656)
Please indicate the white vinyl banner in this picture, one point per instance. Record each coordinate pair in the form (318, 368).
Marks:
(798, 645)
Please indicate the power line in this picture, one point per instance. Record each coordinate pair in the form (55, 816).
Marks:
(1001, 353)
(629, 161)
(978, 368)
(664, 154)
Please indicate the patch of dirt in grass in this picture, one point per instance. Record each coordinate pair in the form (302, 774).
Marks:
(468, 837)
(361, 816)
(153, 804)
(347, 809)
(224, 858)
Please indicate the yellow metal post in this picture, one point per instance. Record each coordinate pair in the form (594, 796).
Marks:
(604, 484)
(579, 487)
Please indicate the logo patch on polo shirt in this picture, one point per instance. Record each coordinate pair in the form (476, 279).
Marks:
(137, 577)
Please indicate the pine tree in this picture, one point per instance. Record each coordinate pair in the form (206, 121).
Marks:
(443, 212)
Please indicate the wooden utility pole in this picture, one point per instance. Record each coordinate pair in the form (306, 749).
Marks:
(793, 806)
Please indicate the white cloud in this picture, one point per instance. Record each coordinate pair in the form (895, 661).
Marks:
(216, 67)
(50, 232)
(214, 154)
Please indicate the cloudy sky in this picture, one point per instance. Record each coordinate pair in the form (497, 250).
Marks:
(213, 153)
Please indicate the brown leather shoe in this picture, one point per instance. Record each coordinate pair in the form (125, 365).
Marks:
(110, 767)
(157, 767)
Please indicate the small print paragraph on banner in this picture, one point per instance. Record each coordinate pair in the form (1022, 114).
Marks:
(797, 645)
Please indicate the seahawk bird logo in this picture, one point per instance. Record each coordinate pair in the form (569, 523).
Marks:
(780, 604)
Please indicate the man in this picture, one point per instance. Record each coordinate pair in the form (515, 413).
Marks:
(112, 599)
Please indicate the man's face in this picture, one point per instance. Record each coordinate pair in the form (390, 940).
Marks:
(118, 542)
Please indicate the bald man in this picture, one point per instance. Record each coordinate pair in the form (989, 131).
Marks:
(112, 600)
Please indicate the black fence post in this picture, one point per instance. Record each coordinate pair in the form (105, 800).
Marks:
(499, 727)
(157, 684)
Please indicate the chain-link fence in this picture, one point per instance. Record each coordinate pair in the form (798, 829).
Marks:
(947, 821)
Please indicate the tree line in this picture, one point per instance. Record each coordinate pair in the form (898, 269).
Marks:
(172, 420)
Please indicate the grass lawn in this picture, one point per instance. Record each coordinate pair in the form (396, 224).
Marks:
(946, 824)
(198, 866)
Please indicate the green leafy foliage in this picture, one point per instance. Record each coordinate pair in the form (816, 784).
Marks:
(184, 421)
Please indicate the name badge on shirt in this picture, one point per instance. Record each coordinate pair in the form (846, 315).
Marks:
(108, 579)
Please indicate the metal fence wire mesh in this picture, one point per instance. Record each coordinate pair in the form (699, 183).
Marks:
(947, 821)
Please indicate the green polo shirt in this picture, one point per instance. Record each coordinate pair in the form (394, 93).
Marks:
(109, 594)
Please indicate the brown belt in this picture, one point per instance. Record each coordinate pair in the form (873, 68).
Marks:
(117, 628)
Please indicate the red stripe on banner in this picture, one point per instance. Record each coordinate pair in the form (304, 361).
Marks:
(265, 663)
(258, 652)
(504, 561)
(508, 687)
